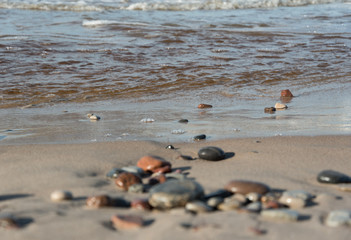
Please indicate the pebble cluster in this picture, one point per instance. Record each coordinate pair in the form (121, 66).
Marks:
(285, 96)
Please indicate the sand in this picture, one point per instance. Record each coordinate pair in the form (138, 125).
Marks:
(29, 173)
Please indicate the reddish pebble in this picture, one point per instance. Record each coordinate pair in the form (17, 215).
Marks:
(150, 163)
(99, 201)
(286, 93)
(158, 178)
(141, 204)
(126, 179)
(127, 222)
(165, 169)
(272, 205)
(202, 105)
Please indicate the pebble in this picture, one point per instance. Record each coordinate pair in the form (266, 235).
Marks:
(176, 176)
(197, 207)
(141, 204)
(183, 121)
(127, 222)
(178, 131)
(61, 195)
(219, 193)
(99, 201)
(280, 106)
(338, 218)
(147, 120)
(211, 153)
(333, 177)
(174, 193)
(136, 188)
(295, 198)
(134, 169)
(269, 110)
(157, 178)
(200, 137)
(281, 214)
(113, 173)
(150, 163)
(170, 147)
(253, 197)
(126, 179)
(202, 105)
(92, 116)
(245, 187)
(229, 204)
(254, 207)
(214, 201)
(8, 223)
(164, 169)
(286, 93)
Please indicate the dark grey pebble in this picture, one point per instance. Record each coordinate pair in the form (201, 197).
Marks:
(114, 173)
(183, 121)
(219, 193)
(211, 153)
(200, 137)
(334, 177)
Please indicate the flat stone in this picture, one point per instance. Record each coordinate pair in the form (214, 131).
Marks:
(202, 105)
(99, 201)
(269, 110)
(61, 195)
(183, 121)
(200, 137)
(295, 198)
(229, 204)
(245, 187)
(280, 106)
(150, 163)
(198, 207)
(333, 177)
(281, 214)
(223, 193)
(338, 218)
(174, 193)
(211, 153)
(127, 222)
(126, 179)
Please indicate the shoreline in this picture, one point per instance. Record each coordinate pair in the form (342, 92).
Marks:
(31, 172)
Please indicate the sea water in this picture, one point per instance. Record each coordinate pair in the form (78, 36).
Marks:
(130, 60)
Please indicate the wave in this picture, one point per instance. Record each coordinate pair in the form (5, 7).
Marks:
(159, 5)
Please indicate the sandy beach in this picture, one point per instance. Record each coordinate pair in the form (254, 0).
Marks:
(30, 173)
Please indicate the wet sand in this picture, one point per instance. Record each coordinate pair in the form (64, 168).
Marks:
(31, 172)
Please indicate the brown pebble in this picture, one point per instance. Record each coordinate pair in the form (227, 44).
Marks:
(202, 105)
(157, 178)
(126, 179)
(141, 204)
(164, 169)
(8, 223)
(99, 201)
(271, 204)
(270, 110)
(286, 93)
(150, 163)
(245, 187)
(127, 222)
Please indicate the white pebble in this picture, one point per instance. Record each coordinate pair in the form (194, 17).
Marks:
(178, 131)
(338, 218)
(147, 120)
(92, 116)
(280, 214)
(61, 195)
(280, 106)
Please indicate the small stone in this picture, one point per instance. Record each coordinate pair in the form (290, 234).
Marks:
(164, 169)
(269, 110)
(93, 117)
(281, 214)
(170, 147)
(280, 106)
(178, 131)
(136, 188)
(219, 193)
(272, 204)
(211, 153)
(295, 198)
(286, 93)
(214, 201)
(61, 195)
(202, 105)
(229, 204)
(200, 137)
(183, 121)
(176, 176)
(254, 207)
(141, 204)
(240, 197)
(134, 169)
(126, 179)
(174, 193)
(197, 207)
(333, 177)
(245, 187)
(147, 120)
(113, 173)
(338, 218)
(157, 178)
(253, 197)
(8, 223)
(127, 222)
(150, 163)
(99, 201)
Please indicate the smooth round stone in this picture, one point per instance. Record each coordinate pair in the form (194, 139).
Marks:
(134, 169)
(280, 106)
(245, 187)
(113, 173)
(136, 188)
(269, 110)
(93, 117)
(164, 169)
(183, 121)
(174, 193)
(211, 153)
(219, 193)
(127, 222)
(333, 177)
(253, 197)
(170, 147)
(281, 214)
(229, 204)
(286, 93)
(254, 207)
(157, 178)
(202, 105)
(338, 218)
(126, 179)
(61, 195)
(295, 198)
(150, 163)
(214, 201)
(198, 207)
(99, 201)
(200, 137)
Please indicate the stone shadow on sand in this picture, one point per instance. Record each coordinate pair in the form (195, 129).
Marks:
(14, 196)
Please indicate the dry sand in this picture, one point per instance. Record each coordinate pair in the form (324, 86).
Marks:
(29, 173)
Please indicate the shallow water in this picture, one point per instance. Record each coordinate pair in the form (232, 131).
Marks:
(160, 59)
